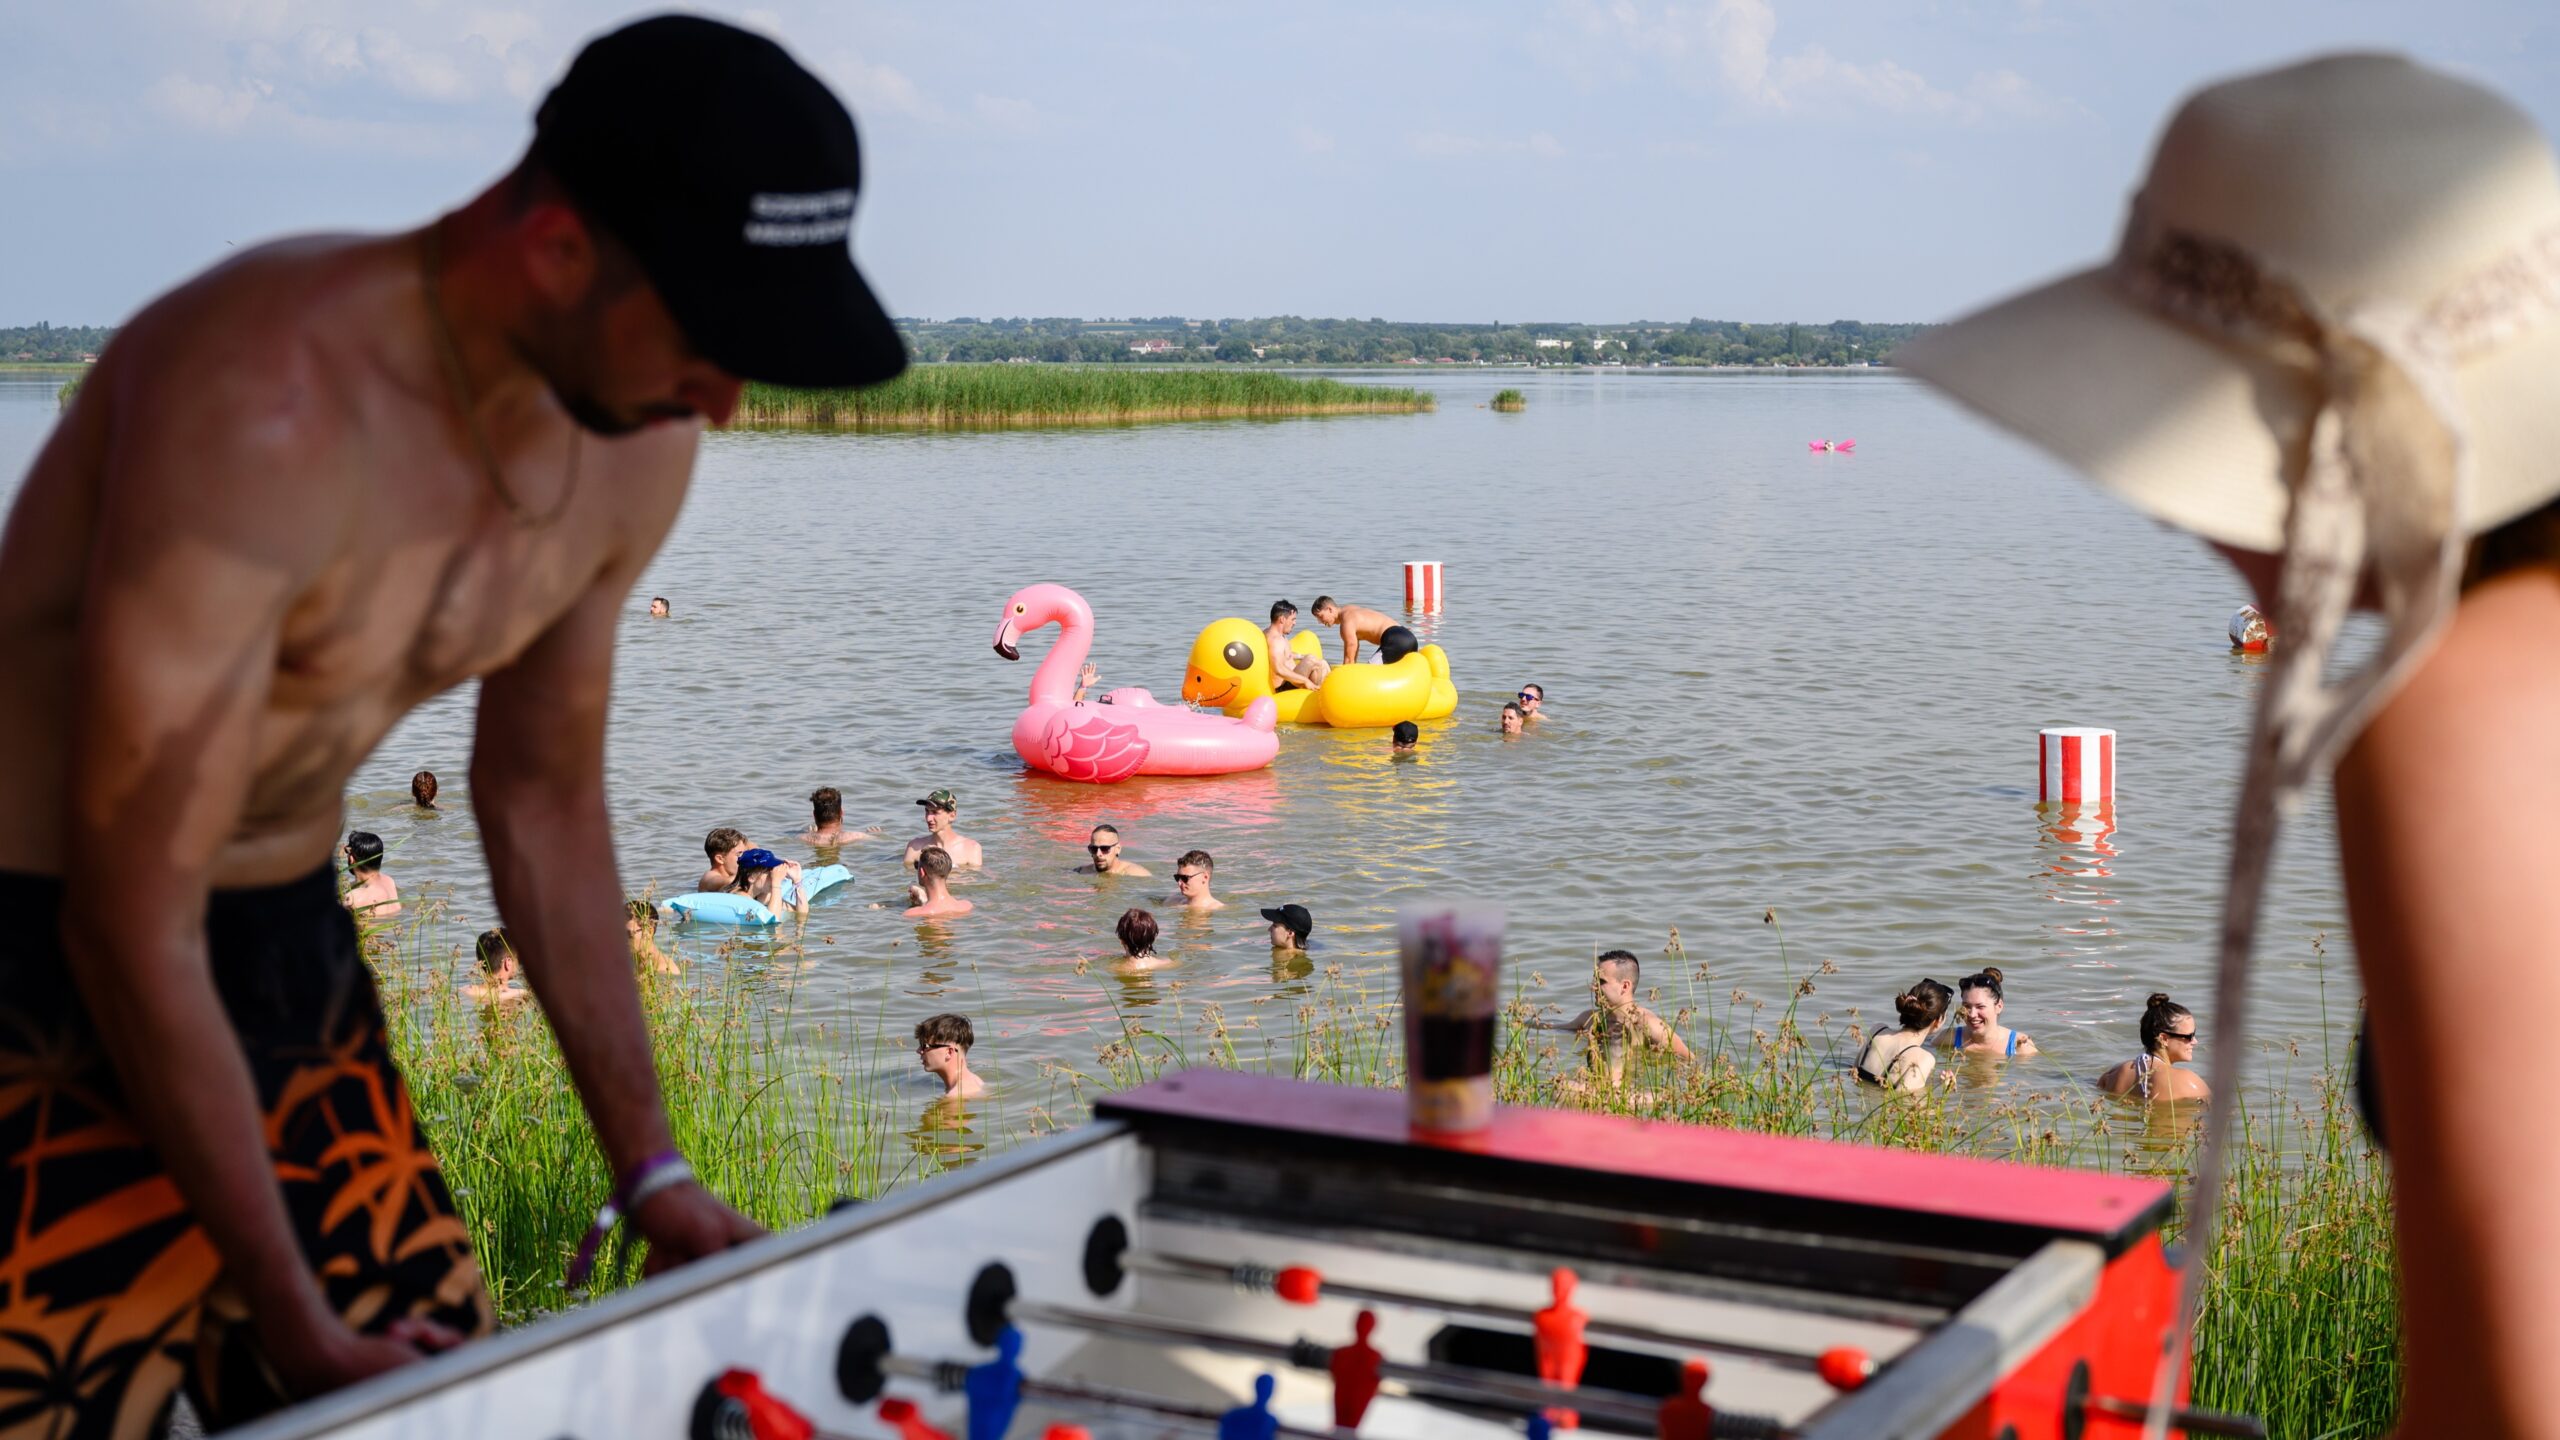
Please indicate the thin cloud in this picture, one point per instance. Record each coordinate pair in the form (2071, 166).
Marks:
(1445, 145)
(1730, 47)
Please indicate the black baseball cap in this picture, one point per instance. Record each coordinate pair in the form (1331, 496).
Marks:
(1295, 917)
(730, 172)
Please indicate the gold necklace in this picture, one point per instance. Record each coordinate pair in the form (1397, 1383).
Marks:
(460, 384)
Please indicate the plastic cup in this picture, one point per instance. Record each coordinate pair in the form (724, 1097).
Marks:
(1452, 1002)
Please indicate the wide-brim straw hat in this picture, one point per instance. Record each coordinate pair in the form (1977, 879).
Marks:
(2385, 195)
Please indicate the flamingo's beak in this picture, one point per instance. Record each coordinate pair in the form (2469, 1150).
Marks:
(1005, 637)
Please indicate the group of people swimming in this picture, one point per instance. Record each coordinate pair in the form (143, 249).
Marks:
(1902, 1056)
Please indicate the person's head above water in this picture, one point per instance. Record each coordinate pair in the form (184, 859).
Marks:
(722, 843)
(1406, 736)
(1981, 997)
(826, 806)
(1614, 974)
(422, 789)
(940, 808)
(1531, 696)
(1923, 1005)
(1138, 930)
(679, 225)
(1103, 844)
(933, 864)
(639, 918)
(496, 950)
(1512, 718)
(658, 607)
(364, 852)
(755, 869)
(2168, 1028)
(1290, 926)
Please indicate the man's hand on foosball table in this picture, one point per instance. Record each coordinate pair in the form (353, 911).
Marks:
(686, 1222)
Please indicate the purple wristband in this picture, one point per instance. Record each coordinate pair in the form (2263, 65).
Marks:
(633, 1187)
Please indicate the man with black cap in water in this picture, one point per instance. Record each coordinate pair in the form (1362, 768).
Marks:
(300, 494)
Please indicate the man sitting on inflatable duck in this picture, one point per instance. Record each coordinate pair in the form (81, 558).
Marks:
(1292, 669)
(1231, 668)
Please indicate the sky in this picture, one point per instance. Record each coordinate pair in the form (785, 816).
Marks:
(1567, 160)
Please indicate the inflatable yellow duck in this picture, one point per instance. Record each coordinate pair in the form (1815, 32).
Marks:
(1231, 668)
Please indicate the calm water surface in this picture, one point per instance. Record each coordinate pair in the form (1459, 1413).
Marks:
(1778, 680)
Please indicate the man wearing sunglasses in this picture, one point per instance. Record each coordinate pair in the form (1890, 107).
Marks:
(1532, 699)
(1191, 877)
(1104, 846)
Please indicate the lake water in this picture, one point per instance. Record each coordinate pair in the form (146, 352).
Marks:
(1808, 683)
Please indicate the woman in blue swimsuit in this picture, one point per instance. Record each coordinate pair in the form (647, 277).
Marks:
(1980, 1031)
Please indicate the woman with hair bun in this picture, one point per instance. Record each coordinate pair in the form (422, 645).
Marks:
(1899, 1059)
(2168, 1036)
(1980, 1032)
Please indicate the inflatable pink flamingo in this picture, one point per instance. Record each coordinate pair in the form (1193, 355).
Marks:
(1129, 733)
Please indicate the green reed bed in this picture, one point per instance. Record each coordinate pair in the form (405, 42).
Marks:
(70, 387)
(958, 397)
(1510, 401)
(777, 1129)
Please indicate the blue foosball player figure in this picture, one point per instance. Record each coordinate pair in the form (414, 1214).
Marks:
(994, 1389)
(1254, 1421)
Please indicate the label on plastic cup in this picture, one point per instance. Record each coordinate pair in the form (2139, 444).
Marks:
(1452, 1002)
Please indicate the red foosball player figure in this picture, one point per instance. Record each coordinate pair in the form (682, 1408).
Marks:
(902, 1415)
(1687, 1415)
(1561, 1352)
(1355, 1373)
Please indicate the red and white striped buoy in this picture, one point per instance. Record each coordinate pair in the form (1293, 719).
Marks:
(1422, 586)
(2076, 765)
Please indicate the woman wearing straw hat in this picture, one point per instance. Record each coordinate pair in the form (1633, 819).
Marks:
(2328, 345)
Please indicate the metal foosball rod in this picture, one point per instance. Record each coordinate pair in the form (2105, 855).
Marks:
(1843, 1367)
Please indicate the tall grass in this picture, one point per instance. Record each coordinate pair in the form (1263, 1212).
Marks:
(70, 387)
(995, 396)
(1510, 400)
(770, 1126)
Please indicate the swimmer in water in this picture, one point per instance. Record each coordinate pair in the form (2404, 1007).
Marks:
(942, 1046)
(501, 973)
(1615, 1017)
(1192, 875)
(762, 877)
(422, 789)
(1138, 931)
(640, 927)
(826, 821)
(1900, 1059)
(723, 846)
(1105, 848)
(1405, 739)
(933, 885)
(1355, 623)
(658, 607)
(1532, 702)
(941, 815)
(1290, 927)
(1290, 670)
(373, 893)
(1980, 1032)
(2168, 1039)
(1513, 717)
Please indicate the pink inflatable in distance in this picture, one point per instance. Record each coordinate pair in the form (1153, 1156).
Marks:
(1129, 734)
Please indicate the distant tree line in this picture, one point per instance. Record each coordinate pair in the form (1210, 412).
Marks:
(52, 342)
(1290, 339)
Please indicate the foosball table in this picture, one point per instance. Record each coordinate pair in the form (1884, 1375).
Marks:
(1224, 1255)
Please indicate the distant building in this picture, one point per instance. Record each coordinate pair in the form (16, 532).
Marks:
(1151, 347)
(1546, 343)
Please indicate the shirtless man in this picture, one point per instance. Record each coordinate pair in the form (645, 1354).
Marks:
(826, 821)
(1290, 670)
(1104, 846)
(1192, 876)
(933, 885)
(298, 496)
(941, 809)
(722, 847)
(502, 974)
(371, 892)
(1614, 1016)
(1355, 622)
